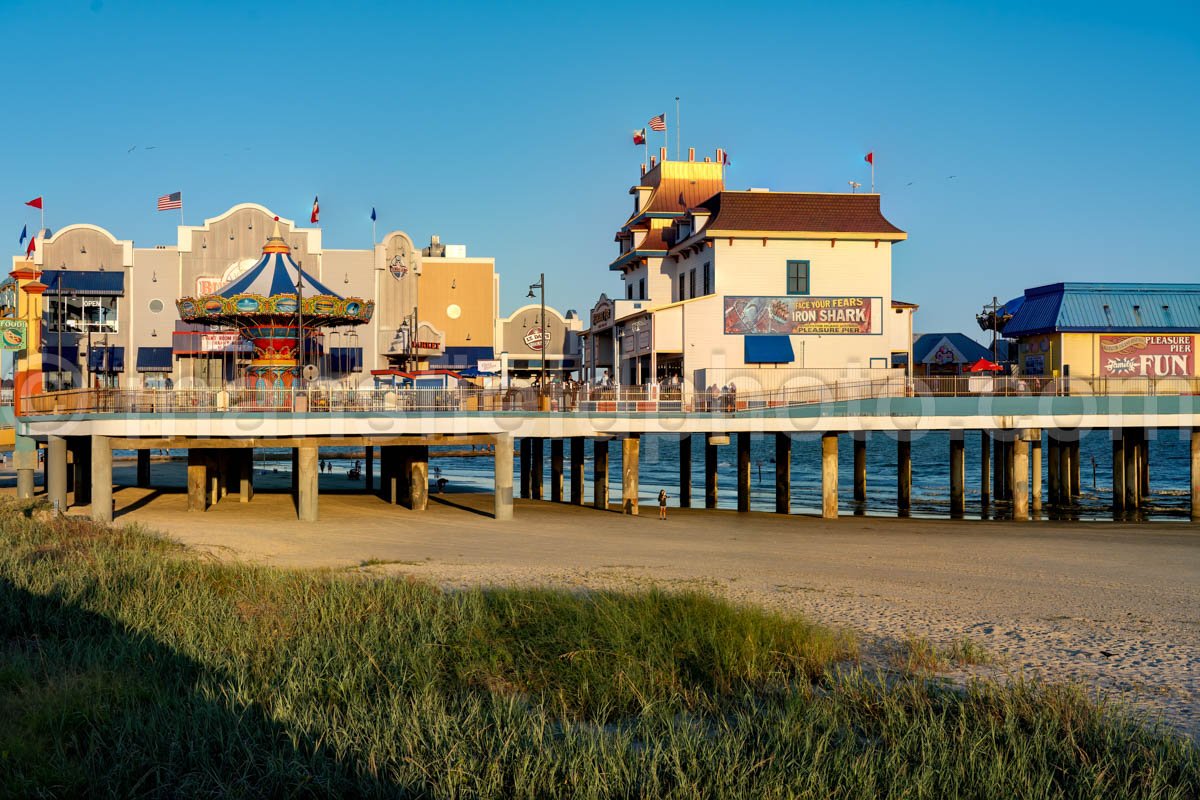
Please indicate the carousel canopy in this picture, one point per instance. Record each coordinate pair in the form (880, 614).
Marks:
(275, 273)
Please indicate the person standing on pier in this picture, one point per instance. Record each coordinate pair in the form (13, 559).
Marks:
(662, 503)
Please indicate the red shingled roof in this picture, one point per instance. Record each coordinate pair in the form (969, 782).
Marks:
(797, 211)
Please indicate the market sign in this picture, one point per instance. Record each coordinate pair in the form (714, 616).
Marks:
(1147, 356)
(798, 315)
(13, 334)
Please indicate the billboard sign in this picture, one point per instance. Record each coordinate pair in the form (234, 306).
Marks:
(13, 334)
(1158, 356)
(800, 315)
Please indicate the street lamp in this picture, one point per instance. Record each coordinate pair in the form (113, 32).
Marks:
(541, 287)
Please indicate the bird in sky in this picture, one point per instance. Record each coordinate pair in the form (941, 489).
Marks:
(130, 150)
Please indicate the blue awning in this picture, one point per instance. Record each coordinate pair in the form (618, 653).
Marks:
(81, 282)
(106, 359)
(769, 349)
(154, 359)
(70, 355)
(345, 359)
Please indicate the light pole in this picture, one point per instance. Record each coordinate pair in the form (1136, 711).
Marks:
(299, 320)
(541, 287)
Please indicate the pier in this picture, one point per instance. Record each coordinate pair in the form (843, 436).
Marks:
(221, 430)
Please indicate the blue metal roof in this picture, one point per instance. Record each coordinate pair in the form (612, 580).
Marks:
(1104, 307)
(966, 347)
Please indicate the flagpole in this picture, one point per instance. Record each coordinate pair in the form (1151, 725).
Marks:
(678, 128)
(872, 172)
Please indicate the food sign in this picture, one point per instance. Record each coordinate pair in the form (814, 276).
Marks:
(13, 333)
(798, 315)
(1147, 356)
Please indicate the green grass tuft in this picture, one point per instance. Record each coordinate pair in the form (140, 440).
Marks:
(131, 667)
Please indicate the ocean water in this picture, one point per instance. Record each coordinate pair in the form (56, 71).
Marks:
(659, 469)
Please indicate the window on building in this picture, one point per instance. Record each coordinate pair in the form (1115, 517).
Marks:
(708, 287)
(641, 288)
(629, 291)
(81, 314)
(692, 282)
(682, 295)
(797, 277)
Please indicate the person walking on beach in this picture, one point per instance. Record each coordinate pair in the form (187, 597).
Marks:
(662, 503)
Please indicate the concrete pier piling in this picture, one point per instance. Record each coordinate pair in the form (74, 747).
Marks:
(81, 452)
(783, 473)
(577, 467)
(998, 489)
(1064, 473)
(829, 475)
(958, 477)
(1020, 483)
(1035, 463)
(860, 467)
(307, 484)
(556, 470)
(630, 451)
(1133, 481)
(1053, 470)
(743, 472)
(537, 475)
(102, 496)
(1118, 472)
(1144, 463)
(197, 481)
(710, 472)
(685, 470)
(985, 469)
(600, 474)
(25, 459)
(56, 472)
(1076, 489)
(903, 473)
(245, 474)
(502, 501)
(1009, 467)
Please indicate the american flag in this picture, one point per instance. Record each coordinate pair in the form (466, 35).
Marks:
(658, 123)
(170, 201)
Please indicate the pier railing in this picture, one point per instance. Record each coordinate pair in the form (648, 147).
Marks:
(564, 398)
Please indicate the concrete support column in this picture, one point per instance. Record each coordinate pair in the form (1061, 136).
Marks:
(213, 487)
(600, 474)
(1064, 473)
(577, 465)
(417, 462)
(556, 470)
(1075, 485)
(860, 466)
(1144, 464)
(295, 471)
(829, 475)
(1133, 481)
(903, 472)
(25, 461)
(1009, 467)
(1118, 471)
(537, 472)
(369, 469)
(1053, 470)
(1035, 463)
(783, 473)
(958, 476)
(143, 468)
(56, 472)
(985, 469)
(246, 475)
(523, 466)
(710, 472)
(743, 472)
(998, 467)
(197, 480)
(630, 449)
(502, 501)
(685, 470)
(1195, 474)
(102, 497)
(306, 485)
(1020, 484)
(81, 447)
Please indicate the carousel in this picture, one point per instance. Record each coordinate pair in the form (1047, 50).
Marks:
(280, 310)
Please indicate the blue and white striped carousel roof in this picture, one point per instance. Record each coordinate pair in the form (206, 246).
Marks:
(274, 274)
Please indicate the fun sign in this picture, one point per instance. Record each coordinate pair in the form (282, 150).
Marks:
(1147, 356)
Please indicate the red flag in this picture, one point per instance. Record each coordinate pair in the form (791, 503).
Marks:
(870, 158)
(725, 158)
(32, 246)
(316, 212)
(639, 136)
(35, 202)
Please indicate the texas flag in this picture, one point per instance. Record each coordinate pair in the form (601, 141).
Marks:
(639, 137)
(316, 212)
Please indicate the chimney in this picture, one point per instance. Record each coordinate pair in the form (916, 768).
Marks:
(720, 155)
(653, 162)
(691, 154)
(662, 154)
(707, 160)
(643, 169)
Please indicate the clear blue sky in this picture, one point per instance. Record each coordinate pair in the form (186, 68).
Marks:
(1071, 129)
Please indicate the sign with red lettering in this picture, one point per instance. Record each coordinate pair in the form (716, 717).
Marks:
(1165, 356)
(799, 315)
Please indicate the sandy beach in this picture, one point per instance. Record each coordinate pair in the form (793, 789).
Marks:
(1110, 605)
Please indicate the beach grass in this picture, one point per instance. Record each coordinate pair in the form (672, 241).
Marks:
(130, 666)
